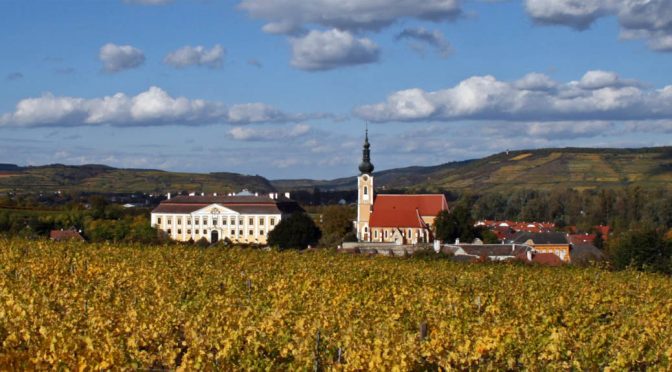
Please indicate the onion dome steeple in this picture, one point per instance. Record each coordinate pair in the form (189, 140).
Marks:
(365, 166)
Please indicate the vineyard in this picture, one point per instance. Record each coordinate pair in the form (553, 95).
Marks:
(91, 307)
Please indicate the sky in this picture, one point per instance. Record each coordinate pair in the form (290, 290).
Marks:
(285, 88)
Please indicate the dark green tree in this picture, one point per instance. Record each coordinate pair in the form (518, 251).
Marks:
(336, 224)
(295, 232)
(457, 223)
(644, 249)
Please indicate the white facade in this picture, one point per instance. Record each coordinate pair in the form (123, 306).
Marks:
(216, 222)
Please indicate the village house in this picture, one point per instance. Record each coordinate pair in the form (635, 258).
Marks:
(241, 218)
(400, 219)
(545, 242)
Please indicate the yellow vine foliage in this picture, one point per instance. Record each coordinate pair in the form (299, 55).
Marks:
(74, 306)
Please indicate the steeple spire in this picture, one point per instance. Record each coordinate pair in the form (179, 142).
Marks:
(365, 166)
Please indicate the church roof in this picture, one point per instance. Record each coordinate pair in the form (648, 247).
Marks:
(405, 210)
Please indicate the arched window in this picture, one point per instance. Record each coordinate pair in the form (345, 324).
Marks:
(366, 190)
(366, 229)
(375, 234)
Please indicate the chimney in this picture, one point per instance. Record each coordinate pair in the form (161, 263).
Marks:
(287, 195)
(168, 196)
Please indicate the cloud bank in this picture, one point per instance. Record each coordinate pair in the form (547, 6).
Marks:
(650, 20)
(150, 108)
(598, 95)
(290, 16)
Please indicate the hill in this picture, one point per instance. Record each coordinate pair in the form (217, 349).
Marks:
(543, 169)
(101, 178)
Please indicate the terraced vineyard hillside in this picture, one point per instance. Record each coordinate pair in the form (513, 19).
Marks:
(531, 169)
(100, 178)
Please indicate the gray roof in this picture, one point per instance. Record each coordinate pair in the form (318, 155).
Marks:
(585, 252)
(539, 238)
(489, 250)
(241, 204)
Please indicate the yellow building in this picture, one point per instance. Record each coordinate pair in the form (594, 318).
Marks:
(545, 242)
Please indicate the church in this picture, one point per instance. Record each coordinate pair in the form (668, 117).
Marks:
(393, 218)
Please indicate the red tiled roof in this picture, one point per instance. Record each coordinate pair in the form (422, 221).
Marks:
(405, 210)
(581, 238)
(65, 235)
(548, 259)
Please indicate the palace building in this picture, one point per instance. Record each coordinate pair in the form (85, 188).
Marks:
(393, 218)
(243, 218)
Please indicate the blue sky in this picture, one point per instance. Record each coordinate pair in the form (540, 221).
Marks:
(283, 89)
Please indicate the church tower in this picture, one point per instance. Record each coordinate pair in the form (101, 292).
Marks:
(364, 193)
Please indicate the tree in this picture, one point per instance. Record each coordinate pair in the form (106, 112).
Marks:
(336, 224)
(457, 223)
(295, 232)
(644, 249)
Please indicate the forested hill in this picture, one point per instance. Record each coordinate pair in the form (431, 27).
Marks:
(104, 179)
(544, 169)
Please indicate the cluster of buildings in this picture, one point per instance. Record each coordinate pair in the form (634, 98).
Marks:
(385, 223)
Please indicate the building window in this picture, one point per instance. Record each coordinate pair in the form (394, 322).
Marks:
(179, 220)
(251, 232)
(188, 221)
(272, 221)
(240, 220)
(170, 221)
(366, 229)
(224, 221)
(375, 234)
(196, 221)
(240, 232)
(214, 221)
(158, 220)
(410, 233)
(169, 231)
(385, 234)
(261, 232)
(205, 221)
(179, 231)
(261, 220)
(251, 221)
(189, 231)
(366, 190)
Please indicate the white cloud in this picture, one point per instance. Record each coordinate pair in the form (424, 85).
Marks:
(288, 16)
(331, 49)
(116, 58)
(535, 81)
(639, 19)
(434, 38)
(149, 108)
(196, 56)
(598, 95)
(268, 134)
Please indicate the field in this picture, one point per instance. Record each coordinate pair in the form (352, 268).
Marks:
(93, 307)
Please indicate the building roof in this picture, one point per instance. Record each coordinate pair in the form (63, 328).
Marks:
(539, 238)
(585, 252)
(393, 210)
(65, 235)
(491, 250)
(245, 204)
(547, 259)
(581, 238)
